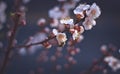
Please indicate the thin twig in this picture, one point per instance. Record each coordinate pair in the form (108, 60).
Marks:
(32, 44)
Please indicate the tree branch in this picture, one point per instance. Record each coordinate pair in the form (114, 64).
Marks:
(11, 41)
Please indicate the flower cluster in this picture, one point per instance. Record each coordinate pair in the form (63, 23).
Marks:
(60, 30)
(92, 12)
(113, 62)
(62, 23)
(57, 12)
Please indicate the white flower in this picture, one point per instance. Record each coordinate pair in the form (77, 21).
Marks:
(80, 29)
(80, 9)
(61, 37)
(55, 32)
(76, 32)
(75, 35)
(67, 21)
(94, 11)
(55, 13)
(113, 62)
(89, 23)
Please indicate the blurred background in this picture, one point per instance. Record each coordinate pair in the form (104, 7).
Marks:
(106, 31)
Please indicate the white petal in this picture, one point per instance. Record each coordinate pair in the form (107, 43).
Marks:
(55, 32)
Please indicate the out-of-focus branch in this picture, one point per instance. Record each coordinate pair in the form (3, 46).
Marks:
(16, 17)
(110, 51)
(10, 44)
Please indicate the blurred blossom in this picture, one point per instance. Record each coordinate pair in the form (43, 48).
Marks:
(113, 62)
(58, 67)
(89, 23)
(55, 13)
(77, 50)
(2, 17)
(94, 11)
(68, 6)
(65, 13)
(47, 29)
(53, 58)
(72, 52)
(3, 6)
(59, 49)
(41, 22)
(36, 38)
(9, 33)
(66, 66)
(22, 51)
(1, 44)
(43, 57)
(119, 50)
(105, 71)
(104, 49)
(58, 54)
(61, 0)
(70, 58)
(73, 62)
(26, 1)
(61, 27)
(76, 0)
(40, 70)
(22, 8)
(54, 23)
